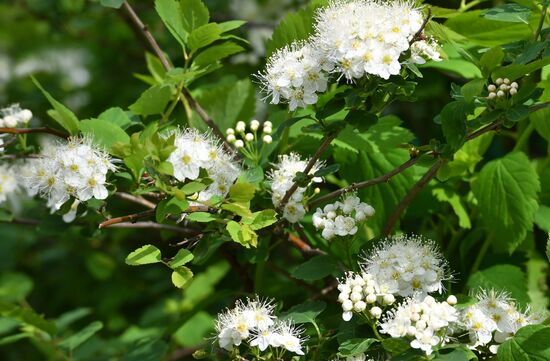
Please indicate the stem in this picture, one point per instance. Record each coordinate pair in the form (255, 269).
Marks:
(158, 226)
(541, 22)
(524, 137)
(44, 130)
(418, 34)
(324, 145)
(410, 196)
(482, 252)
(136, 199)
(128, 218)
(464, 6)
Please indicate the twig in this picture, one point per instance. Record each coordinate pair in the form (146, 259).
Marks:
(167, 66)
(418, 35)
(157, 226)
(303, 246)
(324, 145)
(410, 196)
(325, 291)
(22, 221)
(136, 199)
(44, 130)
(541, 21)
(356, 186)
(539, 106)
(128, 218)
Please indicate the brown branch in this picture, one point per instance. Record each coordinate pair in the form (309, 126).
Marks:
(22, 221)
(324, 145)
(356, 186)
(128, 218)
(167, 66)
(481, 131)
(158, 226)
(136, 199)
(303, 246)
(43, 130)
(410, 196)
(418, 35)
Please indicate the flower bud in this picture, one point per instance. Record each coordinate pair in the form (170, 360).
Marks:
(231, 138)
(254, 125)
(451, 300)
(503, 87)
(347, 305)
(239, 143)
(506, 81)
(268, 130)
(492, 95)
(267, 139)
(10, 121)
(500, 93)
(317, 190)
(389, 299)
(249, 137)
(241, 127)
(25, 115)
(499, 81)
(355, 297)
(376, 312)
(230, 131)
(359, 306)
(513, 91)
(371, 298)
(491, 87)
(268, 124)
(514, 85)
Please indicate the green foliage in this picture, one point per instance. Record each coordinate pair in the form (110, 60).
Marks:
(529, 343)
(316, 268)
(355, 346)
(506, 278)
(144, 255)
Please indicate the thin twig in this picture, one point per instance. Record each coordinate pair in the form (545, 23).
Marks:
(43, 130)
(167, 66)
(418, 35)
(324, 145)
(128, 218)
(303, 246)
(410, 196)
(157, 226)
(541, 21)
(136, 199)
(356, 186)
(22, 221)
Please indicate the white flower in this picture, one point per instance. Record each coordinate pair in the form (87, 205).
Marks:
(14, 116)
(8, 182)
(407, 265)
(288, 336)
(423, 50)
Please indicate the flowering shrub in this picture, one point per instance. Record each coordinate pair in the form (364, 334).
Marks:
(376, 189)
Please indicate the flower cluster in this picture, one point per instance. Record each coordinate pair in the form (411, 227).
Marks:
(502, 88)
(359, 292)
(247, 137)
(428, 322)
(494, 317)
(8, 182)
(407, 265)
(341, 218)
(14, 116)
(353, 39)
(195, 151)
(281, 179)
(75, 168)
(254, 321)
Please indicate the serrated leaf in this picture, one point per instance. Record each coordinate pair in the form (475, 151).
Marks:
(170, 13)
(81, 336)
(530, 343)
(242, 233)
(516, 71)
(194, 14)
(490, 60)
(216, 53)
(444, 195)
(152, 101)
(261, 219)
(203, 36)
(548, 248)
(104, 133)
(193, 187)
(242, 192)
(316, 268)
(116, 116)
(355, 346)
(503, 277)
(541, 120)
(61, 114)
(203, 217)
(453, 123)
(506, 190)
(231, 25)
(181, 276)
(170, 206)
(305, 312)
(112, 3)
(182, 257)
(512, 13)
(144, 255)
(146, 349)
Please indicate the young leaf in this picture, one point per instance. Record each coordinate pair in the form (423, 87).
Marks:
(305, 312)
(81, 336)
(144, 255)
(506, 190)
(453, 123)
(490, 60)
(171, 14)
(216, 53)
(355, 346)
(61, 114)
(242, 233)
(182, 257)
(511, 13)
(202, 217)
(116, 116)
(181, 276)
(152, 101)
(112, 3)
(104, 133)
(203, 36)
(261, 219)
(242, 192)
(194, 14)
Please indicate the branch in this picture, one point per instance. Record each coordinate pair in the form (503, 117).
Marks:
(158, 226)
(410, 196)
(136, 199)
(44, 130)
(128, 218)
(167, 66)
(418, 35)
(324, 145)
(22, 221)
(303, 246)
(356, 186)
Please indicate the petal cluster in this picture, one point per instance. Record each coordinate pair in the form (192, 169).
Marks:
(253, 321)
(8, 182)
(75, 168)
(14, 116)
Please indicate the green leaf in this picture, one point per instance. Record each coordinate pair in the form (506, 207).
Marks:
(66, 319)
(329, 169)
(104, 133)
(457, 354)
(152, 101)
(231, 25)
(204, 36)
(541, 121)
(305, 312)
(194, 14)
(81, 336)
(171, 14)
(502, 277)
(144, 255)
(316, 268)
(453, 123)
(490, 60)
(61, 114)
(506, 190)
(512, 13)
(170, 206)
(116, 116)
(181, 276)
(516, 71)
(195, 330)
(216, 53)
(548, 248)
(5, 215)
(112, 3)
(472, 89)
(517, 113)
(242, 192)
(203, 217)
(242, 233)
(355, 346)
(396, 345)
(530, 343)
(261, 219)
(15, 287)
(444, 195)
(147, 350)
(193, 187)
(182, 257)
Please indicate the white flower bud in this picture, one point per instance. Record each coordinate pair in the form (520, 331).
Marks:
(491, 87)
(239, 143)
(357, 289)
(10, 121)
(343, 296)
(411, 331)
(429, 300)
(514, 85)
(371, 298)
(230, 131)
(369, 289)
(421, 324)
(389, 299)
(451, 300)
(499, 81)
(254, 124)
(503, 87)
(268, 124)
(415, 317)
(241, 127)
(25, 115)
(344, 288)
(359, 306)
(376, 312)
(513, 91)
(500, 93)
(267, 139)
(249, 137)
(492, 95)
(331, 215)
(231, 138)
(506, 81)
(355, 297)
(2, 123)
(347, 305)
(267, 130)
(317, 190)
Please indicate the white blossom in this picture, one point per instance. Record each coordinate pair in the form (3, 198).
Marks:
(14, 116)
(8, 182)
